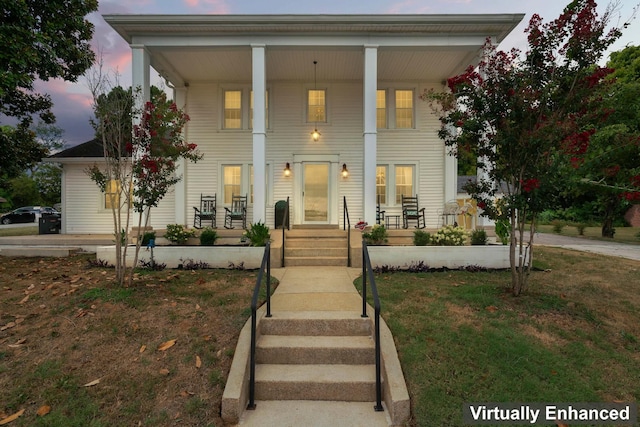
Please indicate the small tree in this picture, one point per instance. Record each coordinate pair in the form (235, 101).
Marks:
(527, 119)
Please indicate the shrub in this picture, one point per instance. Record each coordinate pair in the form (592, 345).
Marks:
(377, 235)
(177, 234)
(148, 236)
(450, 236)
(478, 237)
(208, 236)
(581, 226)
(503, 231)
(557, 225)
(257, 234)
(421, 238)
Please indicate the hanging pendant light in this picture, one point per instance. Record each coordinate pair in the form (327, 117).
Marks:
(315, 135)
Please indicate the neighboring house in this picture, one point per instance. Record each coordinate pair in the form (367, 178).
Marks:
(256, 87)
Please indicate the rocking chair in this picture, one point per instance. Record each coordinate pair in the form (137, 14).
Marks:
(206, 212)
(238, 212)
(412, 212)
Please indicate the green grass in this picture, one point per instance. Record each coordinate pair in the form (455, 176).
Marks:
(622, 235)
(461, 337)
(18, 231)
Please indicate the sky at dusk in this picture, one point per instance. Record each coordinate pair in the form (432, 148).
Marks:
(72, 101)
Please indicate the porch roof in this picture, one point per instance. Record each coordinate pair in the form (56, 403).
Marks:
(196, 48)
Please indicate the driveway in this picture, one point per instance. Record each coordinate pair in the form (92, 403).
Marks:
(623, 250)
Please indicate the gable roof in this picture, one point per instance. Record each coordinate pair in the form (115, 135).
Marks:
(92, 148)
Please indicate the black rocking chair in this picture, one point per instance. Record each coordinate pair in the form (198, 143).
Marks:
(412, 212)
(238, 212)
(206, 213)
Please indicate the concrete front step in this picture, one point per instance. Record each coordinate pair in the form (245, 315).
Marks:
(320, 323)
(316, 261)
(315, 252)
(316, 243)
(325, 350)
(353, 383)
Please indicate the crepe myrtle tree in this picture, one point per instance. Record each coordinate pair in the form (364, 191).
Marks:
(142, 160)
(526, 117)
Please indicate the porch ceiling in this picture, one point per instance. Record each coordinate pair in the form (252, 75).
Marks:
(200, 48)
(345, 64)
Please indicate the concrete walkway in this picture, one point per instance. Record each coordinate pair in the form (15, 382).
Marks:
(315, 289)
(623, 250)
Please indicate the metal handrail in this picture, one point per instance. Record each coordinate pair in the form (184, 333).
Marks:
(367, 273)
(346, 225)
(284, 221)
(264, 266)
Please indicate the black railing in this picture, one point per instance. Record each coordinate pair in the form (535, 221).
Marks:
(265, 266)
(367, 275)
(285, 221)
(346, 225)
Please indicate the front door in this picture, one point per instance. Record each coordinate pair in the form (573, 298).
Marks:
(315, 193)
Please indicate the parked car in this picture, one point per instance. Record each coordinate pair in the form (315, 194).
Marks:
(27, 214)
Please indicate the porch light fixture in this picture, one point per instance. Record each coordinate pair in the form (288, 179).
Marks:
(315, 135)
(287, 170)
(345, 171)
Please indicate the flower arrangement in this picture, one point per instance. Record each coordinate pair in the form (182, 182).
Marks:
(450, 236)
(377, 235)
(177, 234)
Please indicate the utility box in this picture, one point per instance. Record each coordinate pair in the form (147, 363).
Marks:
(49, 224)
(281, 214)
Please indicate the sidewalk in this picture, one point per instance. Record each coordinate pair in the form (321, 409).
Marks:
(623, 250)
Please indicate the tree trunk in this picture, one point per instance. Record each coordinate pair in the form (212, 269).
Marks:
(607, 223)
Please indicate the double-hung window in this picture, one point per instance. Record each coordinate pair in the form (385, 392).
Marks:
(233, 109)
(381, 109)
(404, 109)
(112, 194)
(394, 181)
(316, 106)
(232, 185)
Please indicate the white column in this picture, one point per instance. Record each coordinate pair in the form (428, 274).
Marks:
(259, 133)
(140, 78)
(140, 72)
(180, 204)
(450, 176)
(370, 87)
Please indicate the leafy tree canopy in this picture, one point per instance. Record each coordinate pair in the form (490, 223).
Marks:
(41, 39)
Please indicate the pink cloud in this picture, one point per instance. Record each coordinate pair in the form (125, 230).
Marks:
(219, 7)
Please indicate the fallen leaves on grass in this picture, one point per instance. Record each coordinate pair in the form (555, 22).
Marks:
(142, 349)
(198, 362)
(166, 345)
(92, 383)
(43, 410)
(164, 371)
(11, 417)
(491, 308)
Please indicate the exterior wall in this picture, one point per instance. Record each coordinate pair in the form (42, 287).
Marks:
(288, 141)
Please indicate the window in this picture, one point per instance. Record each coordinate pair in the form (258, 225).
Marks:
(233, 109)
(112, 194)
(404, 109)
(381, 109)
(266, 113)
(381, 185)
(232, 182)
(316, 106)
(404, 182)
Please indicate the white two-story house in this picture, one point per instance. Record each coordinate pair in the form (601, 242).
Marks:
(256, 87)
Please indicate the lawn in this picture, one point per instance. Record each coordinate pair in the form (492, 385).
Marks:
(622, 235)
(92, 354)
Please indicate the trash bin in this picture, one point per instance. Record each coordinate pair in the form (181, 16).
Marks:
(281, 211)
(49, 224)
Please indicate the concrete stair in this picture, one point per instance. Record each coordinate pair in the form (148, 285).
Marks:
(315, 247)
(303, 357)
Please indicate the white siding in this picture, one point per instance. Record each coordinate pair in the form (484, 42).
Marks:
(288, 137)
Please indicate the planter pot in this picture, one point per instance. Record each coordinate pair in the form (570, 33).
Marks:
(214, 256)
(491, 256)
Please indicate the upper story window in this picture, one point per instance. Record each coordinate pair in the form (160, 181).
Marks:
(233, 109)
(404, 109)
(316, 106)
(381, 109)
